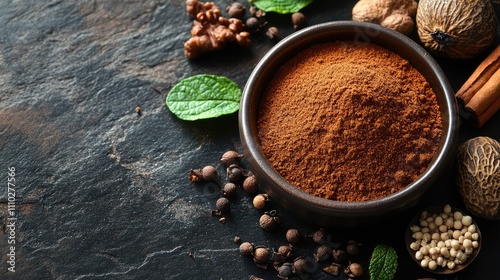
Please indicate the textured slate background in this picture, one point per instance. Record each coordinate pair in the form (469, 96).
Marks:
(102, 193)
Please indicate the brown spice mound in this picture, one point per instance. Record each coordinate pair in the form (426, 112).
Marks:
(349, 122)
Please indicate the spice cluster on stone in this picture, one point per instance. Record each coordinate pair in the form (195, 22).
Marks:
(302, 253)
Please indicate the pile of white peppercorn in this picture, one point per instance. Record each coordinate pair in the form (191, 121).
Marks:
(444, 239)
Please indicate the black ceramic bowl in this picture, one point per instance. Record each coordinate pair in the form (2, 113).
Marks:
(328, 212)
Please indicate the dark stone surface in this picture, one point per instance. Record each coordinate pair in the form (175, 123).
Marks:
(102, 193)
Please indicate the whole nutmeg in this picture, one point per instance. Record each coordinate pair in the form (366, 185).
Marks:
(293, 236)
(354, 270)
(250, 184)
(246, 248)
(478, 162)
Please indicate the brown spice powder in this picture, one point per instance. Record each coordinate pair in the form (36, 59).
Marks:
(349, 122)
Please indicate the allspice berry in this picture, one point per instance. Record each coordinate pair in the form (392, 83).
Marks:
(234, 173)
(250, 184)
(230, 157)
(210, 173)
(272, 33)
(352, 248)
(323, 252)
(259, 201)
(252, 24)
(300, 265)
(354, 270)
(261, 254)
(298, 20)
(195, 175)
(285, 251)
(229, 189)
(285, 270)
(319, 236)
(223, 204)
(246, 248)
(339, 255)
(267, 221)
(236, 10)
(293, 236)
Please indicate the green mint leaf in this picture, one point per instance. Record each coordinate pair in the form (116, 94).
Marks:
(203, 96)
(383, 263)
(280, 6)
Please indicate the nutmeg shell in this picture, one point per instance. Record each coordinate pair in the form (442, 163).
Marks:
(478, 180)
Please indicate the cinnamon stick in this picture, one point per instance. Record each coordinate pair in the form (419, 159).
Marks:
(480, 94)
(480, 76)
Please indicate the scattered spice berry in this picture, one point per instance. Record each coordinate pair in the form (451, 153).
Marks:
(230, 157)
(354, 270)
(138, 111)
(252, 24)
(261, 256)
(323, 252)
(319, 236)
(298, 20)
(237, 240)
(333, 269)
(272, 32)
(285, 270)
(268, 220)
(285, 251)
(300, 265)
(352, 248)
(195, 175)
(229, 189)
(250, 184)
(234, 173)
(223, 204)
(246, 248)
(293, 236)
(339, 255)
(210, 173)
(236, 10)
(259, 201)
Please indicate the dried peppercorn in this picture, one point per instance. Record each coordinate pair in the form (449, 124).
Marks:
(352, 248)
(293, 236)
(323, 252)
(210, 173)
(269, 220)
(223, 204)
(246, 248)
(236, 10)
(230, 157)
(298, 20)
(259, 201)
(229, 189)
(250, 184)
(234, 173)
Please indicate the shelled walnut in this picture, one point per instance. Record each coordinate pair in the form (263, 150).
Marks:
(211, 31)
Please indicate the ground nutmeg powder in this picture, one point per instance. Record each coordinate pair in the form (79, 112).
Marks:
(349, 121)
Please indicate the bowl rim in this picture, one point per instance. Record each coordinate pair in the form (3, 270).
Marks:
(251, 145)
